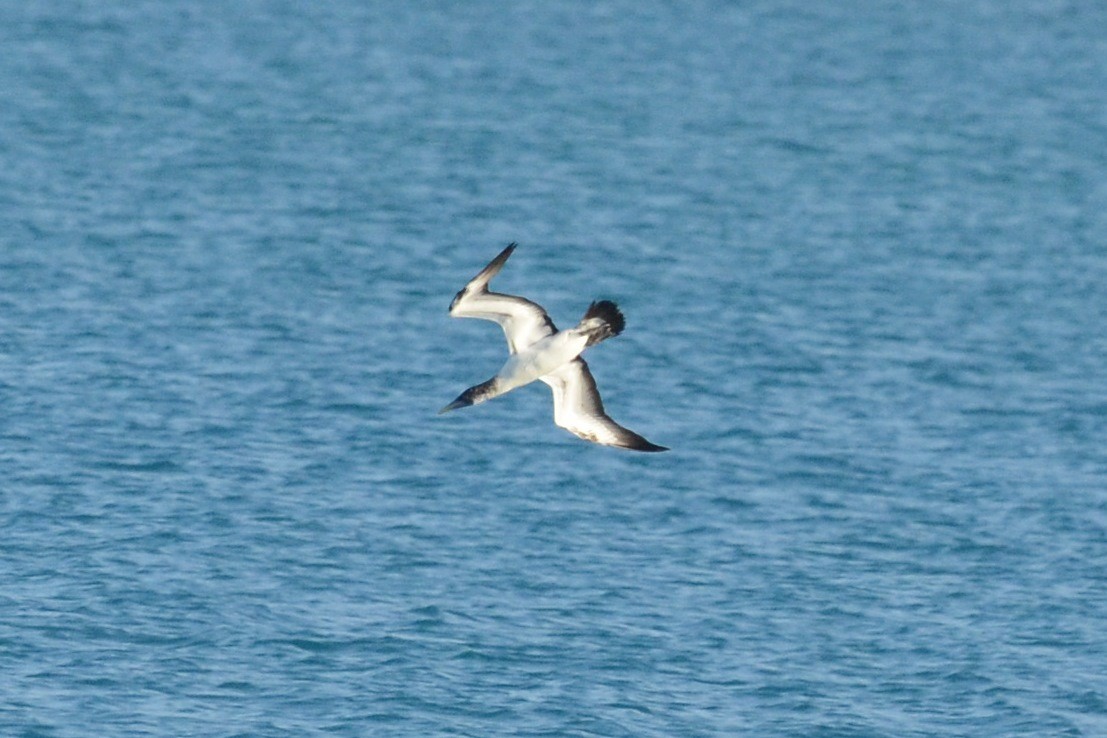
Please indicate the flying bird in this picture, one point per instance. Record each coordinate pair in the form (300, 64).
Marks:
(540, 351)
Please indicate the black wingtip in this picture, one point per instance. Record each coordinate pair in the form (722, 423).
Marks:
(479, 283)
(644, 445)
(608, 312)
(497, 264)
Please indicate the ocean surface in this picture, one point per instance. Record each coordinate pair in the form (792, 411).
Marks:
(862, 252)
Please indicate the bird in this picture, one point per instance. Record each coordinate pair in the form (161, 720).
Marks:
(539, 351)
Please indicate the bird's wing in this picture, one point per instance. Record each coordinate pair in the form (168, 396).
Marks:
(579, 409)
(523, 321)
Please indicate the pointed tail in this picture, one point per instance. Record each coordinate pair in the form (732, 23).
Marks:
(473, 396)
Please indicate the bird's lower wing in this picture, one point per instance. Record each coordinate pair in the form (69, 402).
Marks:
(579, 409)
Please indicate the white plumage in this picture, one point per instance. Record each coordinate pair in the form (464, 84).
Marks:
(540, 351)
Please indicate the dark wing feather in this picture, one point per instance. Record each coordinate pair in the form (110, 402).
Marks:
(523, 321)
(579, 409)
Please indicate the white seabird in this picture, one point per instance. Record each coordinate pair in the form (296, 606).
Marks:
(540, 351)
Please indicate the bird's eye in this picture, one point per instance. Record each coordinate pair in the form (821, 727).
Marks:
(457, 298)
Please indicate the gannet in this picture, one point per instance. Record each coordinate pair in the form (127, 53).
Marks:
(540, 351)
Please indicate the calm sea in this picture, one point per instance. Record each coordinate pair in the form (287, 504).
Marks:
(862, 251)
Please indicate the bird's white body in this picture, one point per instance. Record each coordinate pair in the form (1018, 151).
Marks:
(540, 358)
(540, 351)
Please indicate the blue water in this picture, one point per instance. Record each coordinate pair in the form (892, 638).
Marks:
(862, 250)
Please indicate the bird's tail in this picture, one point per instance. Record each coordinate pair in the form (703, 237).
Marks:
(474, 396)
(602, 321)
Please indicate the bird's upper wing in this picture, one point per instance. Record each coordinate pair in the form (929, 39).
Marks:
(523, 321)
(579, 409)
